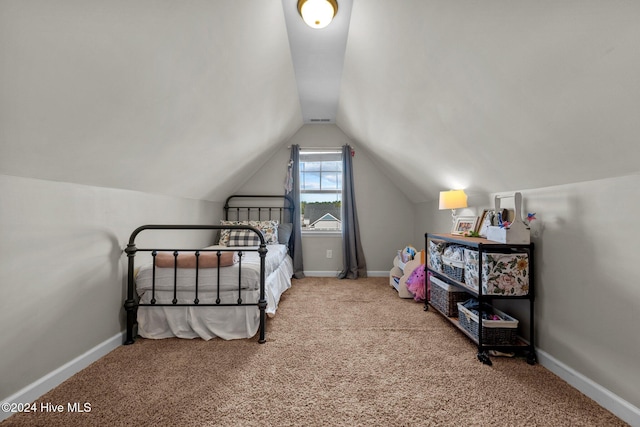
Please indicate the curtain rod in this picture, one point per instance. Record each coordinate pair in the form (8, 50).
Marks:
(319, 148)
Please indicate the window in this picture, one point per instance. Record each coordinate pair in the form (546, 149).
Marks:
(321, 190)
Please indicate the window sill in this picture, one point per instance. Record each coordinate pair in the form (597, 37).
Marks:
(322, 233)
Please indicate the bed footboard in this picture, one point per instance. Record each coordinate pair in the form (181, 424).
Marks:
(131, 304)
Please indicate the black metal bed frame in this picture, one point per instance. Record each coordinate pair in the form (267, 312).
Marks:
(131, 304)
(288, 206)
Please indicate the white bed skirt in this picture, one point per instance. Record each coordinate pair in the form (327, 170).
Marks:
(210, 322)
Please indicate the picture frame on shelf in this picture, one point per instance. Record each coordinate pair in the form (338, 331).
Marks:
(464, 224)
(486, 219)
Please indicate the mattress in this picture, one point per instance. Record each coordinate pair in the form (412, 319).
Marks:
(210, 322)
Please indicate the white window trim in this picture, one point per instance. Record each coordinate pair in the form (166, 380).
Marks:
(322, 233)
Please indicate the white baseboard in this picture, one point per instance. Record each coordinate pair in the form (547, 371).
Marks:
(605, 398)
(36, 389)
(335, 273)
(321, 273)
(378, 273)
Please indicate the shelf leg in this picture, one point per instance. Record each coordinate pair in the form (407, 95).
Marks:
(484, 358)
(531, 357)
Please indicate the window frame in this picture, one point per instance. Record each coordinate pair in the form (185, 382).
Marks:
(305, 153)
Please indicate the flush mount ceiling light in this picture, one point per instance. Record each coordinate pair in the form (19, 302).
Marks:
(317, 13)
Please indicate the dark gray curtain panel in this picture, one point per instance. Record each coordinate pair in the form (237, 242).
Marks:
(354, 264)
(292, 189)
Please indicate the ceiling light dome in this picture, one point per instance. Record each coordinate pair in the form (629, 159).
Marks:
(317, 13)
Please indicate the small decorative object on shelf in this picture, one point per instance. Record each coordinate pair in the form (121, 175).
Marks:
(486, 219)
(515, 232)
(464, 224)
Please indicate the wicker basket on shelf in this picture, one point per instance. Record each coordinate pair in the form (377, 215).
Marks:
(494, 332)
(445, 297)
(453, 268)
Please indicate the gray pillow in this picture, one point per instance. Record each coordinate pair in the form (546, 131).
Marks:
(284, 232)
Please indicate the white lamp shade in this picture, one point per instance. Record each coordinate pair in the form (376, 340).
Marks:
(453, 199)
(317, 13)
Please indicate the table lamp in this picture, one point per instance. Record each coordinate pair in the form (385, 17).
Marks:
(453, 199)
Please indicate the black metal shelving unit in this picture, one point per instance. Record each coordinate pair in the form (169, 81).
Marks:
(487, 246)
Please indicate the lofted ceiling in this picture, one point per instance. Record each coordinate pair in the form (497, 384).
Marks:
(318, 59)
(183, 98)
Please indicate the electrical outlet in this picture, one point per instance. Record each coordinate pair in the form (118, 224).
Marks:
(329, 253)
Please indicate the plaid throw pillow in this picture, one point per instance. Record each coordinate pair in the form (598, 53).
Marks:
(243, 238)
(268, 228)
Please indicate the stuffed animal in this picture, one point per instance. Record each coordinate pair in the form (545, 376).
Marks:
(416, 283)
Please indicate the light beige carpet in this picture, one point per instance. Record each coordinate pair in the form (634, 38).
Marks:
(338, 353)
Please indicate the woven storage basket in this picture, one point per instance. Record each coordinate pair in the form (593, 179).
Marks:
(494, 332)
(445, 297)
(453, 269)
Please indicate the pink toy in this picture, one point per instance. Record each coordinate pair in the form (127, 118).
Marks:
(415, 283)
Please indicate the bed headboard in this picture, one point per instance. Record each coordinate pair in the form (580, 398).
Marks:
(257, 208)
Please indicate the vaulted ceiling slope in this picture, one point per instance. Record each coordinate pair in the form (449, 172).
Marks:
(185, 97)
(168, 97)
(493, 95)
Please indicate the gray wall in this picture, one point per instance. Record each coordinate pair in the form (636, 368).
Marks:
(62, 270)
(386, 215)
(587, 294)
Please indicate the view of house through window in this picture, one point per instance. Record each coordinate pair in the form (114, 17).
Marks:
(321, 189)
